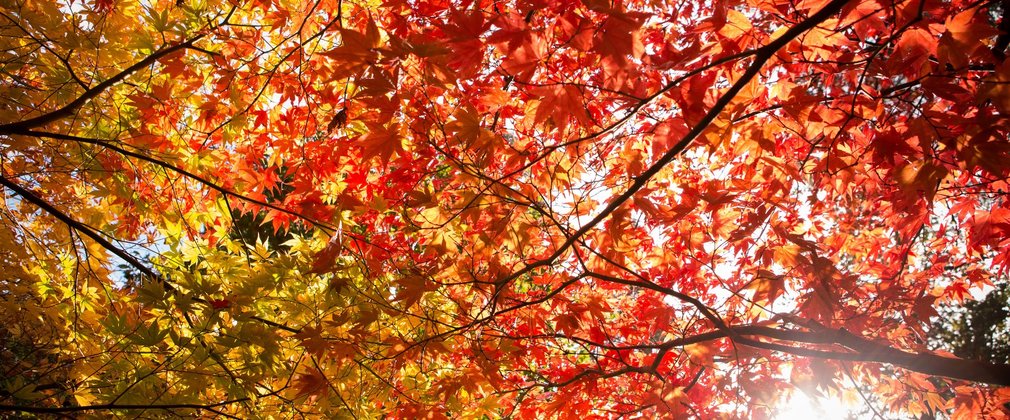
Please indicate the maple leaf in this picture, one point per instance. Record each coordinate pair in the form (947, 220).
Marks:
(312, 340)
(921, 178)
(339, 120)
(523, 49)
(325, 260)
(104, 6)
(312, 384)
(220, 304)
(357, 50)
(767, 287)
(567, 323)
(702, 353)
(995, 87)
(559, 104)
(962, 38)
(913, 49)
(410, 290)
(990, 227)
(381, 142)
(619, 39)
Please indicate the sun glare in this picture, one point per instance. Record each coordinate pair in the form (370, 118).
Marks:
(800, 406)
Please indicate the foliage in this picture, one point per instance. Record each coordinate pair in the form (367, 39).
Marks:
(979, 330)
(520, 208)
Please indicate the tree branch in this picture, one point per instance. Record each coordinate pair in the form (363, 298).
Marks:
(69, 109)
(179, 170)
(105, 243)
(76, 225)
(761, 57)
(863, 350)
(866, 350)
(57, 410)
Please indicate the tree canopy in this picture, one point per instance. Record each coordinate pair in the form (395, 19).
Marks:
(484, 208)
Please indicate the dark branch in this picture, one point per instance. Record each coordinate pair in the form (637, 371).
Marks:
(57, 410)
(865, 350)
(174, 168)
(69, 109)
(76, 225)
(860, 349)
(105, 243)
(761, 57)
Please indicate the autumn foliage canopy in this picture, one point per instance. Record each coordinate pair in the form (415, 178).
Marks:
(528, 208)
